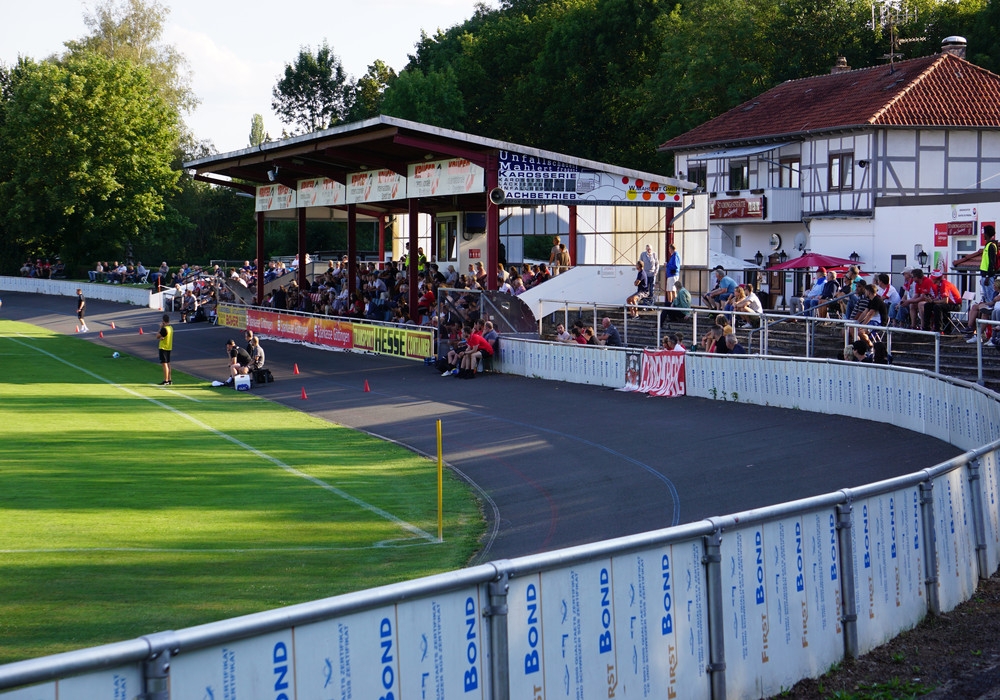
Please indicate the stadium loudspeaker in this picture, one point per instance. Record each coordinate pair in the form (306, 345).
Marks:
(497, 196)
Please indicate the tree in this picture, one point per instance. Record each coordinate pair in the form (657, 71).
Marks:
(133, 30)
(86, 150)
(313, 92)
(368, 91)
(257, 133)
(432, 99)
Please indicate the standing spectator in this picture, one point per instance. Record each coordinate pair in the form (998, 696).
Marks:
(673, 272)
(165, 344)
(554, 253)
(650, 264)
(564, 260)
(988, 265)
(81, 311)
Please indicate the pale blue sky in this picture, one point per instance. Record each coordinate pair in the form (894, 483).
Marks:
(237, 50)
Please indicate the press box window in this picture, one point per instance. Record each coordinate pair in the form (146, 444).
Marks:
(788, 173)
(841, 171)
(698, 174)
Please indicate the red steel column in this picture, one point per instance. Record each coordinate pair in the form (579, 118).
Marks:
(261, 267)
(414, 260)
(303, 281)
(352, 250)
(492, 223)
(572, 235)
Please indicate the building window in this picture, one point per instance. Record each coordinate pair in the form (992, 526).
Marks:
(739, 174)
(841, 171)
(788, 173)
(698, 174)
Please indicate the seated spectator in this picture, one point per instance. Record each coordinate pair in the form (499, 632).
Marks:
(189, 307)
(641, 284)
(861, 351)
(27, 268)
(733, 345)
(256, 355)
(981, 308)
(875, 313)
(476, 347)
(724, 288)
(140, 272)
(749, 304)
(159, 278)
(610, 337)
(946, 299)
(680, 307)
(561, 335)
(812, 298)
(97, 274)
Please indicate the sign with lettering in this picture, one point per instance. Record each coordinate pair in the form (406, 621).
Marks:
(321, 192)
(375, 186)
(533, 180)
(274, 197)
(739, 208)
(445, 177)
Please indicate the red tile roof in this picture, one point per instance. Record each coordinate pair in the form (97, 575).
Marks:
(939, 90)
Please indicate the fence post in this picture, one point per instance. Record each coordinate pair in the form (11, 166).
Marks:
(156, 668)
(845, 550)
(496, 613)
(716, 625)
(978, 518)
(930, 545)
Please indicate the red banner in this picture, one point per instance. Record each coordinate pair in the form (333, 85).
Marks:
(663, 373)
(749, 208)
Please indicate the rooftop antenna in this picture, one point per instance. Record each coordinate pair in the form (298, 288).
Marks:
(888, 15)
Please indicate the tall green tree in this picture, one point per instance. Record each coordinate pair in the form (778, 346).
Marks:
(313, 91)
(257, 133)
(86, 151)
(133, 30)
(367, 93)
(432, 98)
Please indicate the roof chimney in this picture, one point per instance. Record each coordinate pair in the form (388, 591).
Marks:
(955, 45)
(840, 66)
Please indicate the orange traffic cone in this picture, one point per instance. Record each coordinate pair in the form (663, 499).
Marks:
(140, 330)
(112, 325)
(78, 329)
(101, 334)
(367, 388)
(295, 369)
(304, 393)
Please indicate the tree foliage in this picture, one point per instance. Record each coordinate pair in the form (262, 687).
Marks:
(432, 98)
(86, 151)
(257, 133)
(133, 30)
(313, 92)
(367, 93)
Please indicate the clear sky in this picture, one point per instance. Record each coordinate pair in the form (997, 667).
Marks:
(237, 50)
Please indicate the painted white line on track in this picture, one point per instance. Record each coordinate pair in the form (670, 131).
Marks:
(249, 448)
(176, 393)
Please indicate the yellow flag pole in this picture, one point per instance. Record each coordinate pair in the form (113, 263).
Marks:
(440, 485)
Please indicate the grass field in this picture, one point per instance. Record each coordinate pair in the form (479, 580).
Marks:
(128, 508)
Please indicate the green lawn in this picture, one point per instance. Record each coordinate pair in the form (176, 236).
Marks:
(128, 508)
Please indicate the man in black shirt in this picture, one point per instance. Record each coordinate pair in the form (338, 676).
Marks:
(239, 362)
(875, 313)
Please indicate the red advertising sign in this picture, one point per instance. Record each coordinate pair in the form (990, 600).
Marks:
(961, 228)
(940, 235)
(743, 208)
(334, 334)
(475, 253)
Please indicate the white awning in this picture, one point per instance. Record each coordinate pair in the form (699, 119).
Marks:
(726, 153)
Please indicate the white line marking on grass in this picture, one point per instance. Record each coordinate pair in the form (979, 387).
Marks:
(249, 448)
(382, 544)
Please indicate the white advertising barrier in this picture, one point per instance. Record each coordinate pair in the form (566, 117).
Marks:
(989, 481)
(781, 603)
(577, 364)
(957, 571)
(136, 296)
(426, 648)
(116, 684)
(888, 547)
(633, 626)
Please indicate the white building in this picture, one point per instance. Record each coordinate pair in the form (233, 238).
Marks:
(885, 162)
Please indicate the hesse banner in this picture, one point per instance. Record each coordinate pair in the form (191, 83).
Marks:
(413, 344)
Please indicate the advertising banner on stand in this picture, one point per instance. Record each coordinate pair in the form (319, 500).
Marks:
(321, 192)
(444, 177)
(888, 570)
(375, 186)
(662, 373)
(274, 197)
(232, 316)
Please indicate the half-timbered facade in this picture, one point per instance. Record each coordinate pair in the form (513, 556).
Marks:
(885, 162)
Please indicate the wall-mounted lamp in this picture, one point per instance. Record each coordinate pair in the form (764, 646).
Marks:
(782, 256)
(862, 164)
(758, 258)
(272, 174)
(922, 258)
(854, 257)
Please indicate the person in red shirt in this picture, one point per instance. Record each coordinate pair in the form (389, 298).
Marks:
(946, 299)
(477, 347)
(923, 292)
